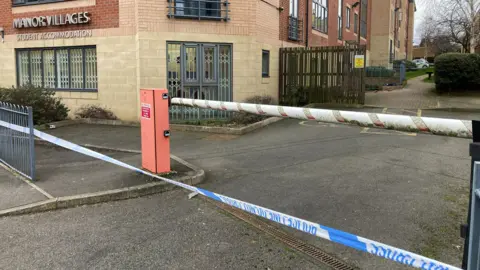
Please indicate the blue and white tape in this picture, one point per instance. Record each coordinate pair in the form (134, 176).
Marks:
(350, 240)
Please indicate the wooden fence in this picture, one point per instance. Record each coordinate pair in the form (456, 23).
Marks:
(321, 75)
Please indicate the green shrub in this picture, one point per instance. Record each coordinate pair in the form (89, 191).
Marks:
(244, 118)
(46, 107)
(409, 65)
(457, 72)
(379, 71)
(96, 112)
(373, 87)
(296, 96)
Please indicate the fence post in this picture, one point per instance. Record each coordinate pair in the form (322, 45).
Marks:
(468, 232)
(32, 143)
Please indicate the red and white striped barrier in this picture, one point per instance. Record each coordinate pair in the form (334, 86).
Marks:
(437, 126)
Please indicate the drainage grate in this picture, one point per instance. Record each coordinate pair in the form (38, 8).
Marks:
(307, 249)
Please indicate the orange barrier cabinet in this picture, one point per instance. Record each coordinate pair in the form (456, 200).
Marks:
(155, 129)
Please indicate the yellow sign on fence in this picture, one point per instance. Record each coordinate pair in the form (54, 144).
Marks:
(359, 61)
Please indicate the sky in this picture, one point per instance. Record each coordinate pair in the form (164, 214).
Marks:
(418, 20)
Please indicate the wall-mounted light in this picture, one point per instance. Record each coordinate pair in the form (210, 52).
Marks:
(2, 34)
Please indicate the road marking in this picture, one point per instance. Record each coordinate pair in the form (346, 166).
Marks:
(321, 124)
(27, 181)
(419, 113)
(384, 110)
(398, 133)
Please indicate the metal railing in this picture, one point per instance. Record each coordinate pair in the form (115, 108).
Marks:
(295, 27)
(17, 149)
(199, 9)
(474, 238)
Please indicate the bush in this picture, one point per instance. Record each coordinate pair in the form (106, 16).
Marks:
(456, 72)
(379, 72)
(409, 65)
(45, 106)
(295, 96)
(96, 112)
(244, 118)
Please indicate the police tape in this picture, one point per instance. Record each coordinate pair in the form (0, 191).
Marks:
(437, 126)
(315, 229)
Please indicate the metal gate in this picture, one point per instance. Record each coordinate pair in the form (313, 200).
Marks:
(17, 149)
(199, 71)
(321, 75)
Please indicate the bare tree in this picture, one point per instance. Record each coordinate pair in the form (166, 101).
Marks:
(459, 18)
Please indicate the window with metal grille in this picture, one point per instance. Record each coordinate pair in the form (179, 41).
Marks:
(265, 63)
(33, 2)
(199, 9)
(320, 15)
(62, 68)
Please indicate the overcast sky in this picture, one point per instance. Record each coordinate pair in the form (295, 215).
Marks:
(418, 20)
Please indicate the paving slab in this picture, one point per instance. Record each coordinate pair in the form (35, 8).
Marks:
(16, 192)
(62, 172)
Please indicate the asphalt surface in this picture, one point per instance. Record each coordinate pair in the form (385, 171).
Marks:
(389, 186)
(166, 231)
(15, 191)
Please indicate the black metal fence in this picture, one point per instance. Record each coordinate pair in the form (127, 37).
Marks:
(17, 149)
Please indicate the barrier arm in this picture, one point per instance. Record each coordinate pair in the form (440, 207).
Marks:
(437, 126)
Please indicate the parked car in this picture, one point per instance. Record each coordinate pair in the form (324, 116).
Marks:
(421, 63)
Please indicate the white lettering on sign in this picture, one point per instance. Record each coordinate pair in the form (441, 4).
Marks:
(55, 35)
(54, 20)
(146, 111)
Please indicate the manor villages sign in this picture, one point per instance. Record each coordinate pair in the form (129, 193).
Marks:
(54, 20)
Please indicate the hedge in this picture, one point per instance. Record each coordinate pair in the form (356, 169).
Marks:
(45, 106)
(457, 72)
(375, 71)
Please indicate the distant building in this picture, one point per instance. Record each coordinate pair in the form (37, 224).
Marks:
(391, 35)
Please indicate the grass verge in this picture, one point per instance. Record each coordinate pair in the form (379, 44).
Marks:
(432, 80)
(417, 73)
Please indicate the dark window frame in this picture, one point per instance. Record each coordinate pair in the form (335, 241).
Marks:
(19, 3)
(192, 9)
(340, 20)
(355, 23)
(318, 7)
(363, 19)
(267, 73)
(348, 14)
(55, 49)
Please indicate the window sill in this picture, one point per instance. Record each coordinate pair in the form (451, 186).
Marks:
(320, 33)
(76, 90)
(266, 80)
(34, 4)
(200, 18)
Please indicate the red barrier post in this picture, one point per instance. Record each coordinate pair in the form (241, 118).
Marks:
(155, 130)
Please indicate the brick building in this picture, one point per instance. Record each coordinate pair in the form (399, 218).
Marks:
(102, 52)
(315, 23)
(393, 38)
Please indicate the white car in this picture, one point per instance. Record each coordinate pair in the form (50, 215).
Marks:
(421, 63)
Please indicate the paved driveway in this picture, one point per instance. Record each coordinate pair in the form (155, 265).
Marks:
(406, 190)
(391, 187)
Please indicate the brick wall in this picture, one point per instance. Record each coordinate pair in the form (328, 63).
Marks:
(284, 20)
(105, 14)
(316, 38)
(153, 17)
